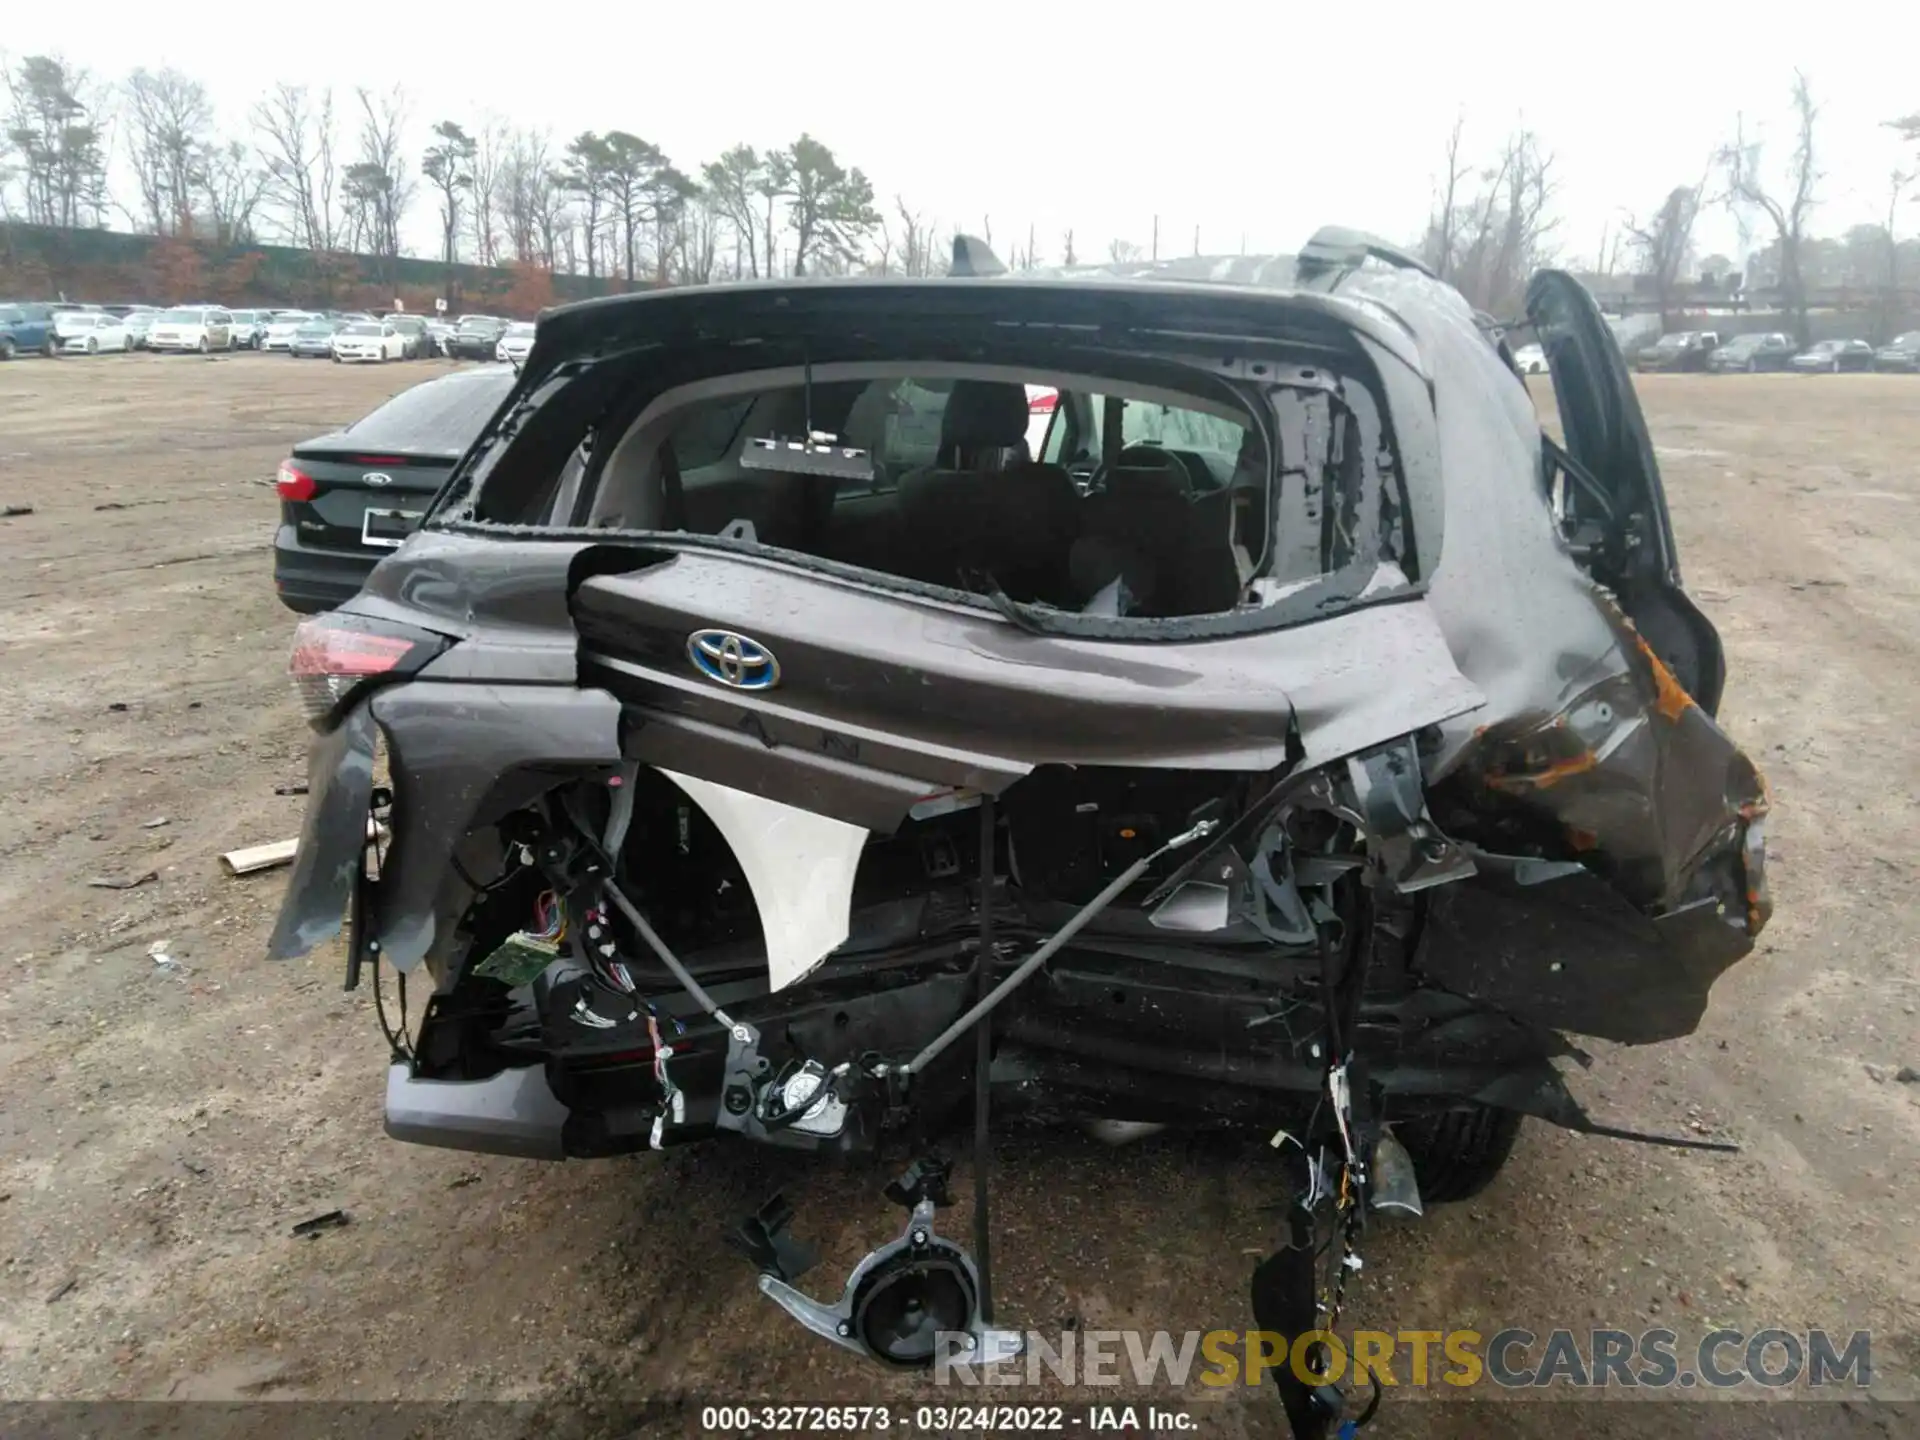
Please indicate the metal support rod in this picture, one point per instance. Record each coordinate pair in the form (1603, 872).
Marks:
(982, 1064)
(667, 957)
(1046, 952)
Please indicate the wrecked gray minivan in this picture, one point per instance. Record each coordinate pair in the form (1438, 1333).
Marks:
(777, 748)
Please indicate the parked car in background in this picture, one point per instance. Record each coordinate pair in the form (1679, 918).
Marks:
(313, 340)
(1902, 354)
(1833, 356)
(281, 327)
(250, 328)
(475, 337)
(26, 329)
(439, 330)
(348, 498)
(1759, 351)
(191, 327)
(373, 340)
(1682, 350)
(413, 330)
(514, 343)
(1530, 360)
(88, 332)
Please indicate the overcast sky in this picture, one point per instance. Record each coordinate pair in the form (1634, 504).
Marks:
(1260, 120)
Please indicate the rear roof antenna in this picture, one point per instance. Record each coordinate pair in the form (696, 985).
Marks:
(973, 256)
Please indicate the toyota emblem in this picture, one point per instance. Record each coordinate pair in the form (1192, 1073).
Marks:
(733, 660)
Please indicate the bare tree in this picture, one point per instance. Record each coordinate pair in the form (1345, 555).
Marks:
(1123, 252)
(490, 144)
(296, 143)
(167, 117)
(918, 255)
(376, 186)
(1664, 244)
(732, 184)
(233, 185)
(1071, 257)
(1494, 235)
(694, 238)
(1788, 203)
(526, 191)
(1897, 184)
(1446, 206)
(770, 188)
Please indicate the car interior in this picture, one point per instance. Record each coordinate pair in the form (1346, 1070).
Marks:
(1144, 503)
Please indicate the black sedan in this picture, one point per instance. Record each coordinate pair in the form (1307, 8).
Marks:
(1752, 353)
(348, 498)
(1902, 353)
(1682, 350)
(1834, 356)
(475, 337)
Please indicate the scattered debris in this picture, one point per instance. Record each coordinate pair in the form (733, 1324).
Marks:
(332, 1220)
(118, 705)
(290, 789)
(1877, 1073)
(259, 857)
(466, 1178)
(1907, 1075)
(193, 1167)
(111, 505)
(13, 510)
(108, 882)
(161, 956)
(65, 1287)
(155, 823)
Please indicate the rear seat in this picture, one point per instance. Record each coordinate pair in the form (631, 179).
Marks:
(975, 510)
(1172, 542)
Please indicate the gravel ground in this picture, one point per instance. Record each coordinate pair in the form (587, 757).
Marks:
(162, 1127)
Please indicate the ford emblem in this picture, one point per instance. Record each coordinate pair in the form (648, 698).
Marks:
(376, 477)
(733, 660)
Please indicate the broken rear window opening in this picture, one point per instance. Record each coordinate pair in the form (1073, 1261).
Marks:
(1154, 488)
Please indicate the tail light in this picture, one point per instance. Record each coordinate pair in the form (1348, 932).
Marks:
(293, 483)
(337, 658)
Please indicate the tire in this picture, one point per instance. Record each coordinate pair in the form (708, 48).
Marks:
(51, 349)
(1753, 367)
(1836, 367)
(93, 347)
(1457, 1153)
(205, 348)
(6, 347)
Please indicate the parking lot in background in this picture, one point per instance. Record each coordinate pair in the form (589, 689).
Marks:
(185, 1114)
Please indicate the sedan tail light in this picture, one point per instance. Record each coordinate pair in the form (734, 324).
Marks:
(338, 658)
(293, 483)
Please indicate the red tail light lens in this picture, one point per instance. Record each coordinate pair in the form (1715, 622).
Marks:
(293, 483)
(336, 656)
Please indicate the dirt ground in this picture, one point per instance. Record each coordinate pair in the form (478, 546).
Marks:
(163, 1126)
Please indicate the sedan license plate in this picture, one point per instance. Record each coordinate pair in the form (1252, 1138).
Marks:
(388, 528)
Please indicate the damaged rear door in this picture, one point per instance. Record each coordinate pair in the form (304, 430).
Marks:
(1607, 489)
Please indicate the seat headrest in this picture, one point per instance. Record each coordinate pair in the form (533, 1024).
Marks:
(984, 413)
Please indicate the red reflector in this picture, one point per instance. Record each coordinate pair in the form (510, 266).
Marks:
(378, 459)
(320, 648)
(293, 483)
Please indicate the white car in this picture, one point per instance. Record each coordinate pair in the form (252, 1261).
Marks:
(1530, 360)
(281, 327)
(190, 327)
(515, 343)
(88, 332)
(369, 340)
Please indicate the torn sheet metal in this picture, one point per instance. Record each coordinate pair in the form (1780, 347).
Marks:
(799, 865)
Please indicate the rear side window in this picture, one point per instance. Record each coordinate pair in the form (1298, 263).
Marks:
(442, 415)
(706, 435)
(898, 422)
